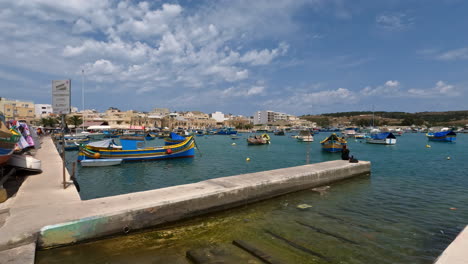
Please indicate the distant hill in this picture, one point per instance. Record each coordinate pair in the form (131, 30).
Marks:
(364, 118)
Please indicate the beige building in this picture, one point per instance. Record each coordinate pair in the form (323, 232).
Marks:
(16, 109)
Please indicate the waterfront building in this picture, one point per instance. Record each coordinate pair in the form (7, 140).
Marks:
(218, 116)
(269, 117)
(42, 110)
(16, 109)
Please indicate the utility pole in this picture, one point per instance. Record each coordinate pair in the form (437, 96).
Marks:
(82, 99)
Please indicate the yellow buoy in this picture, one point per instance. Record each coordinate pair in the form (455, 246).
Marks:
(233, 144)
(247, 159)
(428, 146)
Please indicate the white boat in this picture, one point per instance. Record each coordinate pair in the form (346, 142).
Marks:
(100, 162)
(305, 136)
(25, 162)
(386, 138)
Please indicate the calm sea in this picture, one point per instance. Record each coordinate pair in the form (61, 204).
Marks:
(408, 211)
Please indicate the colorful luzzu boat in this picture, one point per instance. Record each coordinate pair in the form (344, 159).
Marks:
(444, 136)
(8, 140)
(333, 143)
(133, 149)
(173, 139)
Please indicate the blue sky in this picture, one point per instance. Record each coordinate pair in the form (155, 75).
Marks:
(293, 56)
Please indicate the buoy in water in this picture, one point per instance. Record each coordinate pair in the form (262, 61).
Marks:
(233, 144)
(428, 146)
(247, 159)
(448, 158)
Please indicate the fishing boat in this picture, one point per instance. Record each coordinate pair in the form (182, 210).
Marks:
(226, 131)
(8, 140)
(443, 136)
(100, 162)
(173, 139)
(360, 136)
(150, 136)
(279, 133)
(333, 143)
(25, 162)
(73, 143)
(305, 136)
(349, 132)
(134, 149)
(258, 140)
(386, 138)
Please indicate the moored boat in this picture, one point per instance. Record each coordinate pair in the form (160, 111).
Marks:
(259, 140)
(173, 139)
(386, 138)
(226, 131)
(305, 136)
(8, 140)
(443, 136)
(279, 133)
(333, 143)
(100, 162)
(134, 149)
(25, 162)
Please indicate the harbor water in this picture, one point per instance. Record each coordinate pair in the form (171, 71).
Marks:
(408, 211)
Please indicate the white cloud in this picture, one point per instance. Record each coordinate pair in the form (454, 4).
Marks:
(82, 26)
(312, 100)
(390, 88)
(440, 89)
(456, 54)
(265, 56)
(394, 22)
(243, 92)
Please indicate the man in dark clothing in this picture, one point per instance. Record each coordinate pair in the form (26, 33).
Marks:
(345, 153)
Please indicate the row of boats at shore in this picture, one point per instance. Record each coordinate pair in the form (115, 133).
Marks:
(133, 147)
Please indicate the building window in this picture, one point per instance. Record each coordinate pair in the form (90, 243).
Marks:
(43, 107)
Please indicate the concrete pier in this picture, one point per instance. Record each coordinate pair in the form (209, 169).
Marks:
(43, 212)
(456, 251)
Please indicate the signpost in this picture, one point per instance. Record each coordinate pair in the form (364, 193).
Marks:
(61, 95)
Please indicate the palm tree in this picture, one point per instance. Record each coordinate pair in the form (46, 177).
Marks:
(75, 120)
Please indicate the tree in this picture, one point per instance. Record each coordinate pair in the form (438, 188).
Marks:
(75, 120)
(49, 122)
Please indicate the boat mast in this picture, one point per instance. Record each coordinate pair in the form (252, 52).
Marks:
(82, 98)
(373, 116)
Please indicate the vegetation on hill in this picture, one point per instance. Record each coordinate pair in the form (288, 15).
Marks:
(364, 118)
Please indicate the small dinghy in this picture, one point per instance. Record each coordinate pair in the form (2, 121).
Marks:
(25, 162)
(100, 162)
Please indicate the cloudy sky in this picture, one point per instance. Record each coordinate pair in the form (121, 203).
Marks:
(293, 56)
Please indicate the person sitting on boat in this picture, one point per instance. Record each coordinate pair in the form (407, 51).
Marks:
(345, 153)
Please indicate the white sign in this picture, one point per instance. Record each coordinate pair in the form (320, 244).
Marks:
(61, 91)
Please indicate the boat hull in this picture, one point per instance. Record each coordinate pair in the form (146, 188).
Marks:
(387, 141)
(185, 149)
(25, 162)
(100, 162)
(305, 139)
(332, 147)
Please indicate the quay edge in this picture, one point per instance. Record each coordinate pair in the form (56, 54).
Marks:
(170, 204)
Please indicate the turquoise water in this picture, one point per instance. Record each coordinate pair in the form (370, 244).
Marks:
(408, 211)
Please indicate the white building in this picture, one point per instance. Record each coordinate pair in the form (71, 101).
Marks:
(42, 110)
(218, 116)
(266, 117)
